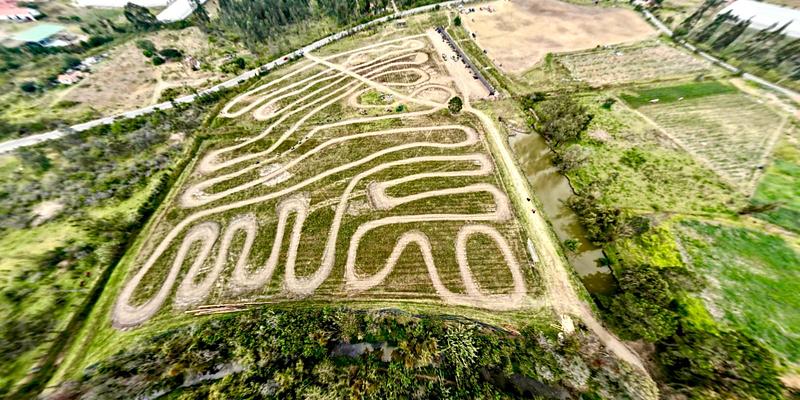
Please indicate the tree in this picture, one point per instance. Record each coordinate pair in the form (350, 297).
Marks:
(200, 15)
(28, 86)
(140, 17)
(454, 105)
(561, 119)
(147, 45)
(573, 158)
(34, 159)
(457, 21)
(70, 61)
(729, 36)
(170, 54)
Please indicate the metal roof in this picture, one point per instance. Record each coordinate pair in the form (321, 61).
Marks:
(38, 33)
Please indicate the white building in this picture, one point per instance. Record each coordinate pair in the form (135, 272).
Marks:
(764, 15)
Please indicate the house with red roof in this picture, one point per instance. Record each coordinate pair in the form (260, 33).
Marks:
(11, 11)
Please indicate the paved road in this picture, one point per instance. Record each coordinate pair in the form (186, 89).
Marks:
(747, 76)
(42, 137)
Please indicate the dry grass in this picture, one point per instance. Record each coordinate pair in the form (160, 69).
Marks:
(642, 62)
(520, 33)
(128, 79)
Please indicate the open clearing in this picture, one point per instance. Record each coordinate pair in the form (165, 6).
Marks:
(518, 34)
(128, 79)
(398, 201)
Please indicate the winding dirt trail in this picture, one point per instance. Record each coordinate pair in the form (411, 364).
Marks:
(341, 81)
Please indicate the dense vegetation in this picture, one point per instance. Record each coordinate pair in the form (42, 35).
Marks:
(91, 178)
(260, 21)
(335, 353)
(656, 296)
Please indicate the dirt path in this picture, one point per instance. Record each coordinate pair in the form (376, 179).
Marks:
(560, 293)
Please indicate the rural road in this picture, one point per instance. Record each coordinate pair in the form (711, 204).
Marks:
(747, 76)
(31, 140)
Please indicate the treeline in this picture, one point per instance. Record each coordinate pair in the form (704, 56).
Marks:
(339, 353)
(769, 49)
(259, 21)
(694, 356)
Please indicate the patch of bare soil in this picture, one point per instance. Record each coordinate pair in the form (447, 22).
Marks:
(519, 33)
(128, 79)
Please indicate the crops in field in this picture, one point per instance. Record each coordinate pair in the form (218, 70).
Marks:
(642, 62)
(346, 179)
(730, 133)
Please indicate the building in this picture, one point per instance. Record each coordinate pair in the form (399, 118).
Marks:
(765, 15)
(10, 11)
(47, 35)
(70, 77)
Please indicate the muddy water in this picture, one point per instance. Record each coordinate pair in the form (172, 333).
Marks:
(553, 189)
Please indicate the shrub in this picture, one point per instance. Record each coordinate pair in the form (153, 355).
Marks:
(29, 86)
(145, 44)
(158, 60)
(455, 104)
(171, 54)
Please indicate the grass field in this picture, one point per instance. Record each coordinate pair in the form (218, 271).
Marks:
(753, 282)
(671, 94)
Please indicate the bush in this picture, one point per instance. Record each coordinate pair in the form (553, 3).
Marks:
(29, 86)
(145, 44)
(171, 54)
(455, 104)
(457, 21)
(69, 62)
(147, 53)
(158, 60)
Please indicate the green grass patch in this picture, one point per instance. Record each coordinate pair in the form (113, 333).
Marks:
(670, 94)
(781, 184)
(753, 281)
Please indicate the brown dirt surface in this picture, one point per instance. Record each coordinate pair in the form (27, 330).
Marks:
(519, 33)
(127, 79)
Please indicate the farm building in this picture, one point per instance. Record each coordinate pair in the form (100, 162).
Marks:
(10, 11)
(765, 15)
(47, 35)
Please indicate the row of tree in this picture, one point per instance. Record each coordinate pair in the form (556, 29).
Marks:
(770, 48)
(259, 21)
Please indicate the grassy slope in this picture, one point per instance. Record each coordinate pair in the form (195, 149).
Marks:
(753, 281)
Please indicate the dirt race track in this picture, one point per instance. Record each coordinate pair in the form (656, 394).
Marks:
(519, 33)
(342, 78)
(339, 196)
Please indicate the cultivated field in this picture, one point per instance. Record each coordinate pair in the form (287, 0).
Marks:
(641, 62)
(733, 134)
(518, 34)
(351, 181)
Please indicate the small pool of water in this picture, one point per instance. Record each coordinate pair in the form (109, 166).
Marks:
(553, 189)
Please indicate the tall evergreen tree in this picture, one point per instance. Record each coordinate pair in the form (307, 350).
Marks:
(729, 36)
